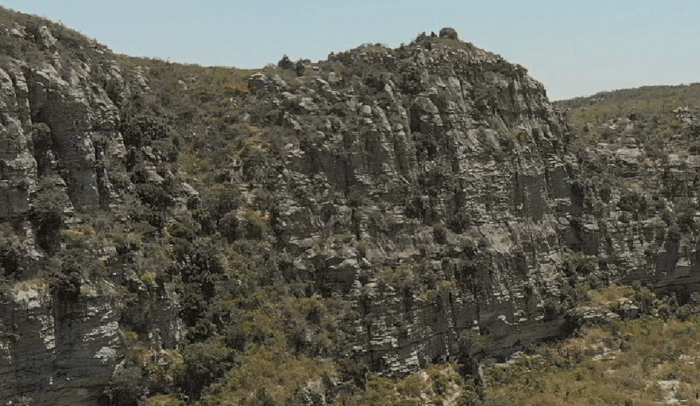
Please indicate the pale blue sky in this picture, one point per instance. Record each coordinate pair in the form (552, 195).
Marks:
(575, 48)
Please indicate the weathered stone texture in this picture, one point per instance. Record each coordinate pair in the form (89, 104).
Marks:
(464, 179)
(431, 187)
(50, 344)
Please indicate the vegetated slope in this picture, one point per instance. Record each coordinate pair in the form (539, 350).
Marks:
(182, 233)
(651, 110)
(631, 348)
(169, 227)
(638, 154)
(639, 166)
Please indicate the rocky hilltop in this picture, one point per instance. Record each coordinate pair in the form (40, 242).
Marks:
(181, 233)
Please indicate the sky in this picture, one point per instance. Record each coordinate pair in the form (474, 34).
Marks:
(575, 48)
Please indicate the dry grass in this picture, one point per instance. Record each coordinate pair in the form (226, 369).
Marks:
(271, 376)
(164, 400)
(607, 296)
(647, 353)
(437, 382)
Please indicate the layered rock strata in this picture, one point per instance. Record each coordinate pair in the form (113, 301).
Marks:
(432, 189)
(435, 194)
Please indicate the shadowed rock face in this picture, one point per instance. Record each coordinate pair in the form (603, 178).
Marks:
(60, 146)
(431, 189)
(50, 344)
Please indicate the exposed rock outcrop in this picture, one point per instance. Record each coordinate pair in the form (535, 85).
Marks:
(54, 349)
(446, 170)
(423, 195)
(60, 151)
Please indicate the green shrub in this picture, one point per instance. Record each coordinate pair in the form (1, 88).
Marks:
(67, 282)
(450, 33)
(205, 363)
(10, 260)
(199, 267)
(221, 199)
(440, 234)
(47, 217)
(42, 142)
(441, 383)
(154, 195)
(285, 63)
(228, 226)
(185, 228)
(459, 222)
(141, 130)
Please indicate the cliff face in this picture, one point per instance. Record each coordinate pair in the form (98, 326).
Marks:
(67, 350)
(60, 149)
(385, 207)
(434, 192)
(635, 194)
(50, 125)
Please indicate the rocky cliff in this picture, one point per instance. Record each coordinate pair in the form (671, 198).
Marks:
(635, 191)
(168, 228)
(447, 174)
(61, 149)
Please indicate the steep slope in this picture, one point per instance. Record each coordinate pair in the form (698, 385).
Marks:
(409, 194)
(445, 169)
(637, 183)
(62, 156)
(274, 235)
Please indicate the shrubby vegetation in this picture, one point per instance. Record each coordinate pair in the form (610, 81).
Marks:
(646, 115)
(259, 331)
(48, 219)
(70, 42)
(609, 361)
